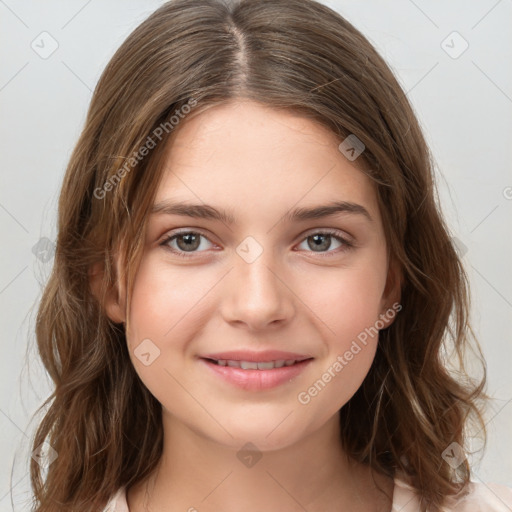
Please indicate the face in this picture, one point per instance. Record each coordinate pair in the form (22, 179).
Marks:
(267, 277)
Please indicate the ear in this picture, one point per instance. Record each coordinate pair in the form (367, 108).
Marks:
(110, 296)
(390, 303)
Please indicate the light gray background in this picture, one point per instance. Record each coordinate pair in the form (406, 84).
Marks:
(464, 105)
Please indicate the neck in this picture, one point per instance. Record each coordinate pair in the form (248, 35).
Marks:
(314, 474)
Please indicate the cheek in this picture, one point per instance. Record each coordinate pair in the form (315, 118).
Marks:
(349, 354)
(346, 306)
(161, 304)
(165, 300)
(166, 312)
(347, 301)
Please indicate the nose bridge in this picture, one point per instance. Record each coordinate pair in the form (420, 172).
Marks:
(258, 293)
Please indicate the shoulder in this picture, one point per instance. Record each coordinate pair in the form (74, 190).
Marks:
(117, 502)
(477, 497)
(482, 497)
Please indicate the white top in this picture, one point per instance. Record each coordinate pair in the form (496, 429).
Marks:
(481, 497)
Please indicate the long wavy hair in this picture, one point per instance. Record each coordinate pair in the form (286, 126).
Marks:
(295, 55)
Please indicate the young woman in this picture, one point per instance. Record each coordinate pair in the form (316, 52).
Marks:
(254, 288)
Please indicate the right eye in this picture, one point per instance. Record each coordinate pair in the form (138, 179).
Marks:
(184, 242)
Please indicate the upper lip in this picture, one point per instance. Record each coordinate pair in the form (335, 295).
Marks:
(266, 356)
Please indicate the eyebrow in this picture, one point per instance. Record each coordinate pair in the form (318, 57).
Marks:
(205, 211)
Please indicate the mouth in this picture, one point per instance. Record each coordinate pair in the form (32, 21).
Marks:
(256, 375)
(256, 365)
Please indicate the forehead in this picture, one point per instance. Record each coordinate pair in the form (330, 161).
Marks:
(250, 158)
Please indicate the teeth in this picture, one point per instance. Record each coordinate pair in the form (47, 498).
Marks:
(246, 365)
(253, 365)
(268, 365)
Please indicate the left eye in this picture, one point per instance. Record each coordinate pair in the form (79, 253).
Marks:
(323, 240)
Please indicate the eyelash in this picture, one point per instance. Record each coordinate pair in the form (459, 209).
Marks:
(347, 245)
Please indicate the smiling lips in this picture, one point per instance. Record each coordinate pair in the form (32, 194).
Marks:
(256, 371)
(253, 365)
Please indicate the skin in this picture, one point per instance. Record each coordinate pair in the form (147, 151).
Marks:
(258, 163)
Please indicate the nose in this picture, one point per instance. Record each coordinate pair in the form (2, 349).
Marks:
(257, 294)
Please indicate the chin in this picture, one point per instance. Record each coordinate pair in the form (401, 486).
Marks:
(258, 443)
(264, 438)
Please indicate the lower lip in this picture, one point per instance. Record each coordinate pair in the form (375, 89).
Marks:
(257, 380)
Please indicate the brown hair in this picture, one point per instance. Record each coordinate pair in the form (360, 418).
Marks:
(296, 55)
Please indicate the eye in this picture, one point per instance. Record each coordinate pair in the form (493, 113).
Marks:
(186, 241)
(319, 241)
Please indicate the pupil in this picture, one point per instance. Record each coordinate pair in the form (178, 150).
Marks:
(188, 237)
(319, 244)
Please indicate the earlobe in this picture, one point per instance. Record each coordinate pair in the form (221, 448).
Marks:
(115, 311)
(110, 297)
